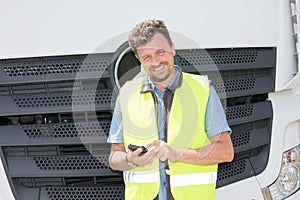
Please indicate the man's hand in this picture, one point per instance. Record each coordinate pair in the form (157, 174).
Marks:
(219, 150)
(118, 157)
(163, 151)
(136, 159)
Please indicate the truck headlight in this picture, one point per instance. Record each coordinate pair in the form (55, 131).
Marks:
(288, 180)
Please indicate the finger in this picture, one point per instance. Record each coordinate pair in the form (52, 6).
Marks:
(149, 158)
(145, 159)
(152, 149)
(163, 158)
(138, 151)
(162, 151)
(154, 143)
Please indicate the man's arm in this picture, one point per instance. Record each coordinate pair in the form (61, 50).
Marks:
(220, 150)
(117, 157)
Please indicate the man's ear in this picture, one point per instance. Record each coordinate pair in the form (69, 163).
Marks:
(173, 49)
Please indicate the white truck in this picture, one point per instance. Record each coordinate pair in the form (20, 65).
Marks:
(62, 62)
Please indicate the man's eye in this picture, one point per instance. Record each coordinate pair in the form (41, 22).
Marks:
(161, 52)
(146, 59)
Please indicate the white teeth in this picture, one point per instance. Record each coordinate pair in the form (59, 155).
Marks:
(157, 69)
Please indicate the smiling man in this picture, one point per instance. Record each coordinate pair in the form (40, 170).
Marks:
(176, 116)
(157, 58)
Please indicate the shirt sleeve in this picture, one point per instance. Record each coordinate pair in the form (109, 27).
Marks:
(116, 126)
(215, 119)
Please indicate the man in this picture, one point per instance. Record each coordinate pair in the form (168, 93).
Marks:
(177, 116)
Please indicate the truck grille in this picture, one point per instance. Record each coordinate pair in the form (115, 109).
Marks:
(57, 111)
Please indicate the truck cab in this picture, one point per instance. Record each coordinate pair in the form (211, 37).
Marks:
(62, 64)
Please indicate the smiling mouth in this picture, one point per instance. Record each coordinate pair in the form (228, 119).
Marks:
(159, 68)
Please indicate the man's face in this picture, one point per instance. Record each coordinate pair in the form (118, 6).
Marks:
(157, 58)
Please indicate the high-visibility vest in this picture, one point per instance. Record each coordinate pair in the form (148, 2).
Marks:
(186, 129)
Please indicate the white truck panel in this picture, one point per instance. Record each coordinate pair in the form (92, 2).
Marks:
(5, 192)
(35, 28)
(285, 132)
(245, 189)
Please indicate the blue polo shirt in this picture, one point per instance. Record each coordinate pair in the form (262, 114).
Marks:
(215, 122)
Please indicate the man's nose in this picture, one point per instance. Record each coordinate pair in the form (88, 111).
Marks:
(155, 60)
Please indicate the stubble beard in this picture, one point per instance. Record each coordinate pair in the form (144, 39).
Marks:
(168, 74)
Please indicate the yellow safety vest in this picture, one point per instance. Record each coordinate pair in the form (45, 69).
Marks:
(186, 129)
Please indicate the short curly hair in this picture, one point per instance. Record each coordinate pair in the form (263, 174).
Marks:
(143, 32)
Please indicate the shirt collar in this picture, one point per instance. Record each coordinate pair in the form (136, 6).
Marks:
(173, 84)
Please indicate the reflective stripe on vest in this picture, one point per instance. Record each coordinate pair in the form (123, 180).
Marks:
(141, 176)
(193, 179)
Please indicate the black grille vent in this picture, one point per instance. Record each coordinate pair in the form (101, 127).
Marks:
(63, 99)
(231, 170)
(51, 68)
(81, 193)
(240, 139)
(236, 112)
(71, 162)
(234, 85)
(203, 57)
(67, 130)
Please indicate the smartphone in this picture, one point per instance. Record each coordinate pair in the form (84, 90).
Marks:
(134, 147)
